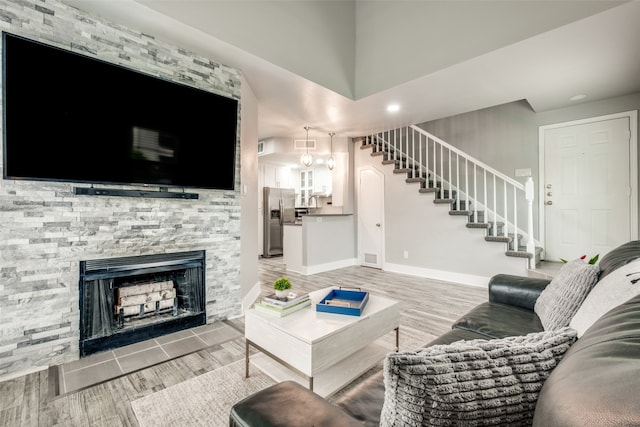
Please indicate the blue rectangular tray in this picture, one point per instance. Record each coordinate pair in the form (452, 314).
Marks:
(341, 301)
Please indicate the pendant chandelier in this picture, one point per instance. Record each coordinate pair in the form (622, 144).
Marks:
(307, 159)
(331, 163)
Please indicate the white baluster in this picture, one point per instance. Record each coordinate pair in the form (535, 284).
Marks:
(531, 246)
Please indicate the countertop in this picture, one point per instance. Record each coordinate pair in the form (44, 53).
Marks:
(315, 215)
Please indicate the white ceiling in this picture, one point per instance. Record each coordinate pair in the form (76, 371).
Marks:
(596, 55)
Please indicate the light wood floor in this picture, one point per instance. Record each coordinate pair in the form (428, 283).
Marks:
(427, 305)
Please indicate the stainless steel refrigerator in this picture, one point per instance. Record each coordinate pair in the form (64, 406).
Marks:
(279, 209)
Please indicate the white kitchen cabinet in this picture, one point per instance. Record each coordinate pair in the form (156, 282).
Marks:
(306, 180)
(276, 176)
(322, 184)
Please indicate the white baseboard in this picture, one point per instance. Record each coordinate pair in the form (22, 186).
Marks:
(447, 276)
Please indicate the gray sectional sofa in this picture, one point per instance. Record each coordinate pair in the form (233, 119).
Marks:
(592, 378)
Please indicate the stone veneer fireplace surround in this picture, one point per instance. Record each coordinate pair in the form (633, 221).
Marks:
(47, 229)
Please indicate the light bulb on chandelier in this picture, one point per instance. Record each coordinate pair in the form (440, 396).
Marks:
(307, 159)
(331, 163)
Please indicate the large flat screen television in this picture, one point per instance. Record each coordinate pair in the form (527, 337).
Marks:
(70, 117)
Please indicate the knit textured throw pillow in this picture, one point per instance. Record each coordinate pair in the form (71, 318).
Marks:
(560, 300)
(471, 383)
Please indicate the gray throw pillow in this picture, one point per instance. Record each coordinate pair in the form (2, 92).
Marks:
(560, 300)
(471, 383)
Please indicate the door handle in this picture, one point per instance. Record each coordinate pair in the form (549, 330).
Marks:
(548, 202)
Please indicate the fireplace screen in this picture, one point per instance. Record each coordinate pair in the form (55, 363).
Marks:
(130, 299)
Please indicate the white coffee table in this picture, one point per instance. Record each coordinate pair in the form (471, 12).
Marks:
(324, 350)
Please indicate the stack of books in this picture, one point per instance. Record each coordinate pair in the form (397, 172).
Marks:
(281, 307)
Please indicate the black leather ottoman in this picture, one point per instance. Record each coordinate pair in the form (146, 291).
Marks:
(288, 404)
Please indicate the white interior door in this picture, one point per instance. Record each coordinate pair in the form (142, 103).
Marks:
(587, 188)
(370, 217)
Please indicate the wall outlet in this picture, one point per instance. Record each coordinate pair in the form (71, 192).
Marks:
(523, 172)
(406, 254)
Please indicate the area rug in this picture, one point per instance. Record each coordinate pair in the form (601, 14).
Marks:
(205, 400)
(410, 339)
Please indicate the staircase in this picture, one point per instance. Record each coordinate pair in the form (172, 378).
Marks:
(488, 199)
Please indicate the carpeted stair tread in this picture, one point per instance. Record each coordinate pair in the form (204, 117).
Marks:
(416, 179)
(501, 239)
(428, 190)
(459, 213)
(478, 225)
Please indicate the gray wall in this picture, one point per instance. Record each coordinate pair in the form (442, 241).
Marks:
(46, 229)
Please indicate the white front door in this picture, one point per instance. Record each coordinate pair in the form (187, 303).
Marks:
(587, 183)
(370, 217)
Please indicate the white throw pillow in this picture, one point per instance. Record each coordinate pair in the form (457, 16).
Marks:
(560, 300)
(615, 288)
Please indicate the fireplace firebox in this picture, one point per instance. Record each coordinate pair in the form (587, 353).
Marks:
(130, 299)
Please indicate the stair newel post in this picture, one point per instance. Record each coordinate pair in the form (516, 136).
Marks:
(486, 196)
(494, 232)
(475, 193)
(466, 184)
(515, 215)
(505, 230)
(435, 164)
(531, 246)
(458, 182)
(413, 151)
(420, 165)
(395, 148)
(449, 177)
(387, 143)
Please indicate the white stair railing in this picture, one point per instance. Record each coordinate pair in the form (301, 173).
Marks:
(454, 174)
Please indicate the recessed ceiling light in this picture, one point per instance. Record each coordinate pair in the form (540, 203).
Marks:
(392, 108)
(577, 97)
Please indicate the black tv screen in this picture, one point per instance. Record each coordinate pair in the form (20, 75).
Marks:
(69, 117)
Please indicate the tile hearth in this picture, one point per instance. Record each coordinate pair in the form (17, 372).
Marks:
(101, 367)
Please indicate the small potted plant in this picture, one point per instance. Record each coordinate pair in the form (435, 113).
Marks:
(282, 286)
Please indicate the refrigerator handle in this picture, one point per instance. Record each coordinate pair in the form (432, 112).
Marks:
(281, 211)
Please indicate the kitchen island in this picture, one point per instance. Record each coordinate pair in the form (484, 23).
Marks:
(322, 242)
